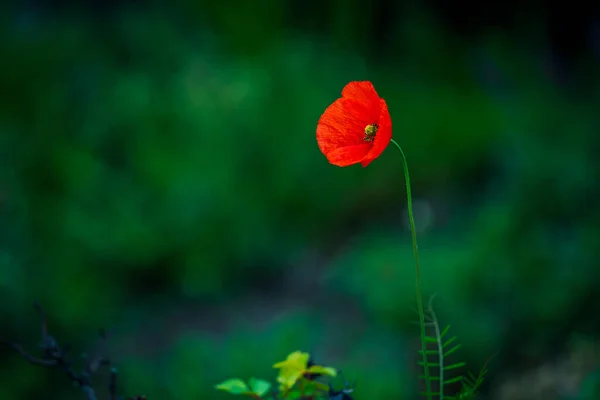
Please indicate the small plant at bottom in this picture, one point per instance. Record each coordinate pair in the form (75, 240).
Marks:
(298, 379)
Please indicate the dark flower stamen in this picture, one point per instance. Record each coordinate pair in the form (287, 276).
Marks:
(370, 132)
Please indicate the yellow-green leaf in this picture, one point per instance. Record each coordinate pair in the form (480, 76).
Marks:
(317, 369)
(297, 360)
(292, 368)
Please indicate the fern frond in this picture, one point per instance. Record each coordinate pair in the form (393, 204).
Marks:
(445, 346)
(454, 366)
(456, 379)
(436, 358)
(471, 384)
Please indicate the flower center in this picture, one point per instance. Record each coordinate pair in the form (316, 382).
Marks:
(370, 131)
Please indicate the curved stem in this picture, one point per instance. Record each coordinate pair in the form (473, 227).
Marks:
(413, 231)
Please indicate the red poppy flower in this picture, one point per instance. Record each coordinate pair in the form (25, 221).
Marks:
(356, 128)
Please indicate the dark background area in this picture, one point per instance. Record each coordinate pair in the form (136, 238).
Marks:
(159, 177)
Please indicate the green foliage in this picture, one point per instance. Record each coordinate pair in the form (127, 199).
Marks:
(254, 388)
(152, 156)
(235, 386)
(470, 385)
(297, 379)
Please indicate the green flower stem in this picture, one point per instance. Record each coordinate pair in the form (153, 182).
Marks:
(413, 231)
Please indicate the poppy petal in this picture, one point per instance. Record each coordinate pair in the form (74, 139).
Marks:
(342, 124)
(345, 156)
(364, 93)
(384, 135)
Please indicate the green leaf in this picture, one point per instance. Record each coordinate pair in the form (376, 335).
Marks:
(319, 386)
(452, 339)
(313, 388)
(454, 366)
(452, 350)
(234, 386)
(446, 329)
(258, 386)
(453, 380)
(471, 377)
(317, 369)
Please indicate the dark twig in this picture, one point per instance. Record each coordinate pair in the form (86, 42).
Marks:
(55, 356)
(28, 357)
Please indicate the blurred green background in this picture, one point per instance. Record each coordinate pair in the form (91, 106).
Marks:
(160, 178)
